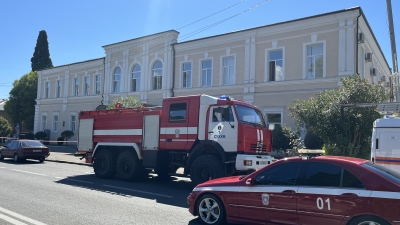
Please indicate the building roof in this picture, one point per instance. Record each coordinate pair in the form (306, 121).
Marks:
(2, 101)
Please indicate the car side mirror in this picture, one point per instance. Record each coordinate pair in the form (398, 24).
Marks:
(249, 182)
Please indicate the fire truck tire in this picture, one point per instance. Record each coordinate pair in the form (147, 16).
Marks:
(367, 219)
(104, 164)
(204, 168)
(129, 167)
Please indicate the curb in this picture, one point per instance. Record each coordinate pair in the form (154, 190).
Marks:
(75, 163)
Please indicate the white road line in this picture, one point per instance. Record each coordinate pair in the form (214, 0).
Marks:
(29, 172)
(144, 192)
(2, 167)
(11, 220)
(86, 182)
(21, 217)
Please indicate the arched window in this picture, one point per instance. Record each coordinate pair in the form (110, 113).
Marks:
(135, 84)
(117, 80)
(157, 75)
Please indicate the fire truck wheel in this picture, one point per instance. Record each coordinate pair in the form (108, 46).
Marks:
(368, 220)
(204, 168)
(129, 167)
(104, 164)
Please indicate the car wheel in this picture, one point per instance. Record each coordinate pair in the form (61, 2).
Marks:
(211, 210)
(368, 220)
(16, 158)
(1, 156)
(204, 168)
(104, 164)
(41, 160)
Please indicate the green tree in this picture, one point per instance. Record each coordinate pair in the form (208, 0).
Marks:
(128, 102)
(321, 115)
(41, 56)
(40, 135)
(67, 134)
(21, 103)
(5, 127)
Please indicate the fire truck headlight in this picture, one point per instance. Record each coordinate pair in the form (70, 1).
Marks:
(247, 162)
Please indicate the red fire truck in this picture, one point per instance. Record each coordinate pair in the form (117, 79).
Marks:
(207, 136)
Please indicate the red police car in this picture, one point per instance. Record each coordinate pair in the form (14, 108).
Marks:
(324, 190)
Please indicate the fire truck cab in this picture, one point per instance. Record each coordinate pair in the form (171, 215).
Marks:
(207, 136)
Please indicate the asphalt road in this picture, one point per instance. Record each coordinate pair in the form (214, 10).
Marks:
(57, 193)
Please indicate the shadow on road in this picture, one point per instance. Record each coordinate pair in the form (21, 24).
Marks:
(22, 162)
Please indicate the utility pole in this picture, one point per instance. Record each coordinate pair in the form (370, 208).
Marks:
(395, 76)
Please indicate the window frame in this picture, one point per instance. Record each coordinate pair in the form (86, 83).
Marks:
(305, 59)
(201, 72)
(76, 86)
(295, 183)
(43, 121)
(223, 66)
(182, 74)
(54, 126)
(72, 123)
(116, 83)
(47, 89)
(186, 112)
(156, 80)
(273, 110)
(137, 87)
(86, 85)
(267, 61)
(59, 88)
(97, 85)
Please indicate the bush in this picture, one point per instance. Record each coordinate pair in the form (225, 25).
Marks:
(284, 138)
(67, 134)
(40, 135)
(60, 141)
(5, 127)
(30, 136)
(313, 141)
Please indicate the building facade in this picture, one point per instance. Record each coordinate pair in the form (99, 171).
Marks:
(268, 66)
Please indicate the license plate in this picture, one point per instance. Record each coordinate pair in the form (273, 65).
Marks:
(37, 150)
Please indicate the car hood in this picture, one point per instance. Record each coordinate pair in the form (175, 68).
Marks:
(220, 181)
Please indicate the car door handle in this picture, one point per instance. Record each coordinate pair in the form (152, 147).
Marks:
(288, 192)
(352, 195)
(210, 132)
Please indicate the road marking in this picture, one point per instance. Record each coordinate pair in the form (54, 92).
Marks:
(19, 216)
(11, 220)
(29, 172)
(86, 182)
(144, 192)
(2, 167)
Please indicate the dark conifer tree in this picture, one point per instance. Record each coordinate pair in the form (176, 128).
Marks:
(41, 56)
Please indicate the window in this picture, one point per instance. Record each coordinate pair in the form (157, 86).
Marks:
(47, 90)
(72, 126)
(322, 175)
(247, 115)
(135, 86)
(275, 65)
(76, 86)
(117, 80)
(97, 86)
(187, 75)
(58, 91)
(315, 61)
(206, 73)
(274, 120)
(392, 175)
(44, 121)
(350, 181)
(86, 87)
(157, 75)
(177, 113)
(222, 114)
(282, 174)
(228, 71)
(55, 123)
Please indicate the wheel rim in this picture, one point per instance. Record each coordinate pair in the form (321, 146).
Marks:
(205, 173)
(127, 166)
(209, 210)
(368, 223)
(103, 164)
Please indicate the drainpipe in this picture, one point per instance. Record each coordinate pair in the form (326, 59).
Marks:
(173, 70)
(356, 72)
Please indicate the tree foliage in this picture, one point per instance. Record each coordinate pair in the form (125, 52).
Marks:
(41, 57)
(128, 102)
(21, 103)
(321, 115)
(5, 127)
(67, 134)
(284, 138)
(40, 135)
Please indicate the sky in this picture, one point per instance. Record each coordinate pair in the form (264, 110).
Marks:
(77, 29)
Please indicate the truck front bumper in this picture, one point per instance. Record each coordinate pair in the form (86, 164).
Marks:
(252, 162)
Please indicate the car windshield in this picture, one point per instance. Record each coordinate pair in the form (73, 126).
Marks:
(386, 172)
(250, 116)
(32, 144)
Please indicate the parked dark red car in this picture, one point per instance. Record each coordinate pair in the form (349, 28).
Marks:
(324, 190)
(25, 149)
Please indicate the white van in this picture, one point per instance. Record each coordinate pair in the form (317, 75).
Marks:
(385, 149)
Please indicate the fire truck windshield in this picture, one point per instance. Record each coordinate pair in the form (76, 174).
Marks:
(249, 115)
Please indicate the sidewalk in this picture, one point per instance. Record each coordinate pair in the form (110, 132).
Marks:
(64, 154)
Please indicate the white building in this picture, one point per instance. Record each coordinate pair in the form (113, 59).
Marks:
(268, 66)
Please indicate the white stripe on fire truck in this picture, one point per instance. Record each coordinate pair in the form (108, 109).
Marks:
(118, 132)
(182, 130)
(303, 190)
(178, 139)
